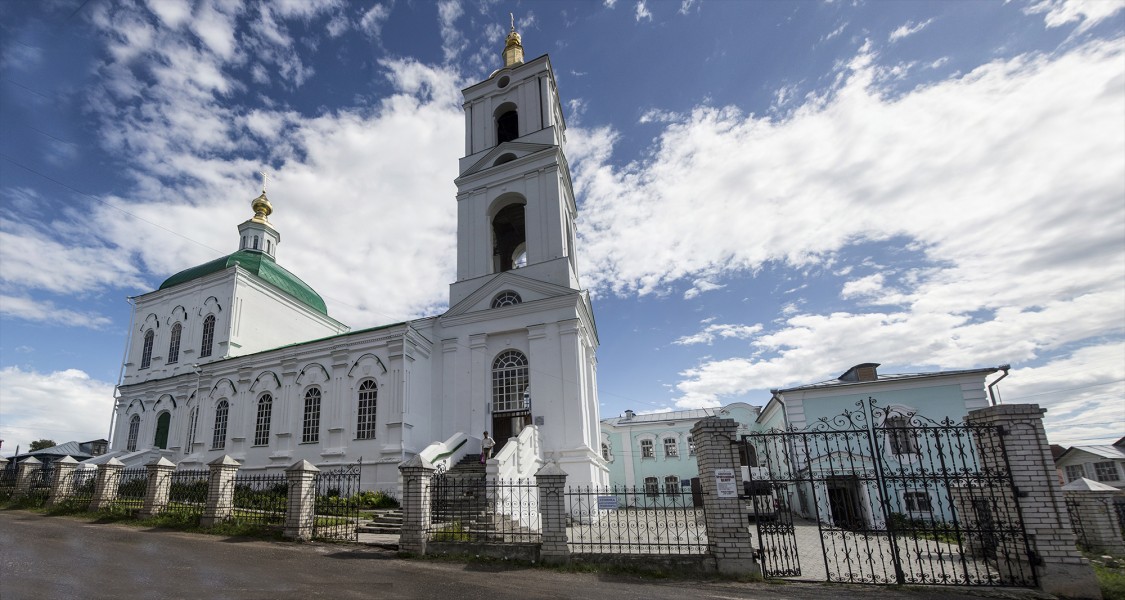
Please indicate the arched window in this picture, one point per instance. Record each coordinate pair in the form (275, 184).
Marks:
(310, 431)
(243, 242)
(507, 126)
(174, 345)
(507, 157)
(365, 416)
(262, 424)
(509, 236)
(146, 353)
(671, 485)
(193, 420)
(208, 336)
(255, 242)
(901, 436)
(134, 431)
(506, 298)
(219, 435)
(163, 422)
(268, 245)
(509, 381)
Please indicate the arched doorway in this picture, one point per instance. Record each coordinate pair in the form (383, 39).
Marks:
(162, 423)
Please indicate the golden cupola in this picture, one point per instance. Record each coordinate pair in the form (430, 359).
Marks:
(513, 46)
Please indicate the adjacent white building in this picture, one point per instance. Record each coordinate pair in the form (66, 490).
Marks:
(239, 356)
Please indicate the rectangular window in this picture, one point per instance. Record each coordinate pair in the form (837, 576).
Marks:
(671, 449)
(917, 502)
(647, 450)
(311, 430)
(900, 435)
(1106, 471)
(690, 446)
(1074, 472)
(652, 486)
(671, 485)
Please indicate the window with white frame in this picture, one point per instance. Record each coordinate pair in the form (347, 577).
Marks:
(1074, 472)
(509, 381)
(671, 485)
(174, 345)
(146, 352)
(365, 414)
(262, 424)
(208, 336)
(193, 420)
(917, 502)
(310, 431)
(219, 432)
(506, 298)
(671, 448)
(1106, 471)
(647, 449)
(652, 486)
(900, 435)
(690, 446)
(134, 431)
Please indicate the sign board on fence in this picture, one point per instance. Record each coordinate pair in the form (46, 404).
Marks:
(725, 483)
(607, 502)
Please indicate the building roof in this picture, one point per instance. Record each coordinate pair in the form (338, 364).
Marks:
(66, 449)
(677, 415)
(1088, 485)
(261, 265)
(1101, 450)
(887, 379)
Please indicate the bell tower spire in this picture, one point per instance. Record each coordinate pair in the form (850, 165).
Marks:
(513, 46)
(257, 234)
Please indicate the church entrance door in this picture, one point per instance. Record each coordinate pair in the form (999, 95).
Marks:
(507, 425)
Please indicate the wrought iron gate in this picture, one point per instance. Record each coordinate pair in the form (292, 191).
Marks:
(338, 500)
(880, 496)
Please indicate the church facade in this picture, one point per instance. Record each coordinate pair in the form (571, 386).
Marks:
(238, 356)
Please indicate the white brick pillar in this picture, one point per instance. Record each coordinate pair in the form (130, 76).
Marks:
(300, 511)
(1097, 516)
(1059, 567)
(26, 473)
(105, 486)
(157, 488)
(220, 491)
(416, 475)
(62, 480)
(551, 481)
(728, 531)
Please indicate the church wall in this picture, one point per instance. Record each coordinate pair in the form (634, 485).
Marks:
(264, 318)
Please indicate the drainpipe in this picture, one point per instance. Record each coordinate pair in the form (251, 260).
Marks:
(121, 373)
(991, 392)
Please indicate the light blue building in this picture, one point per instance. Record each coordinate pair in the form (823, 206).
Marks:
(656, 450)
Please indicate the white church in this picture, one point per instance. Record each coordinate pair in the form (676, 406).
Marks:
(239, 357)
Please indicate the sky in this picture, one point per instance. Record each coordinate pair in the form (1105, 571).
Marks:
(768, 192)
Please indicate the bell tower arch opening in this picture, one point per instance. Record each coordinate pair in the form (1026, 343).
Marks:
(507, 123)
(509, 234)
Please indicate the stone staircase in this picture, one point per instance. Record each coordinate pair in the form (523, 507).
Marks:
(461, 501)
(385, 522)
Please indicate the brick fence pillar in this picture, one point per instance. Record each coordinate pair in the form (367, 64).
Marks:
(300, 512)
(62, 480)
(416, 475)
(157, 488)
(27, 472)
(551, 481)
(1098, 518)
(728, 534)
(220, 491)
(105, 486)
(1060, 568)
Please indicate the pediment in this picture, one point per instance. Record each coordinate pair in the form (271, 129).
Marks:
(529, 290)
(519, 149)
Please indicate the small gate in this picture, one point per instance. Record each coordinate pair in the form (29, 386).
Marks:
(338, 502)
(880, 496)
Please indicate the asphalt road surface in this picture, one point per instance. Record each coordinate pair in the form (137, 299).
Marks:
(60, 557)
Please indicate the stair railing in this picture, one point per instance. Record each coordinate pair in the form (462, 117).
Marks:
(444, 455)
(520, 458)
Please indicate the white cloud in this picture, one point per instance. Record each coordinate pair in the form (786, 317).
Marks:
(609, 3)
(641, 12)
(699, 286)
(834, 33)
(686, 6)
(1088, 13)
(864, 286)
(62, 406)
(452, 41)
(713, 330)
(43, 311)
(373, 19)
(907, 29)
(38, 260)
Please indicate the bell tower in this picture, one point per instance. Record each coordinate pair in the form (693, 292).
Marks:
(516, 206)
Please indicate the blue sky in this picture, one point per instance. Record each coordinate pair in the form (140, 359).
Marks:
(769, 192)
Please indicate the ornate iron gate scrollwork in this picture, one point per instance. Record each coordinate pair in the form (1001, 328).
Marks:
(885, 496)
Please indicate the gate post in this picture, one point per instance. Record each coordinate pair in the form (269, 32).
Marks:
(220, 491)
(551, 479)
(300, 514)
(1059, 568)
(728, 533)
(105, 486)
(157, 488)
(62, 480)
(416, 475)
(27, 471)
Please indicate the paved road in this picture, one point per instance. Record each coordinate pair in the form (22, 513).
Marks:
(59, 557)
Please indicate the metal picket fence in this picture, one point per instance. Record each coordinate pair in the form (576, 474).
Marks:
(131, 485)
(260, 499)
(337, 504)
(187, 494)
(467, 509)
(634, 520)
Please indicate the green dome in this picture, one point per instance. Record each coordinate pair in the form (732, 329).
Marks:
(260, 264)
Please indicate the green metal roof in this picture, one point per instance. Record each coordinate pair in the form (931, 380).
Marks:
(260, 264)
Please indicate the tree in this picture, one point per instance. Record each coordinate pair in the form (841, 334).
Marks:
(41, 444)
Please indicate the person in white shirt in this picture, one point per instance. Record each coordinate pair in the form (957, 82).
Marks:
(486, 445)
